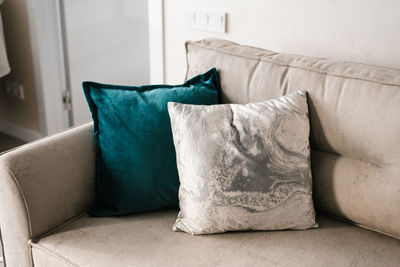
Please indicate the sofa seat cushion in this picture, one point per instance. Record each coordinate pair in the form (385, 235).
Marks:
(147, 240)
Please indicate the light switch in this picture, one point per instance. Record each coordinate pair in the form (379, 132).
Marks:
(201, 20)
(206, 20)
(190, 18)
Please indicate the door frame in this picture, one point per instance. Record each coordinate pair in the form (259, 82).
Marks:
(156, 40)
(47, 43)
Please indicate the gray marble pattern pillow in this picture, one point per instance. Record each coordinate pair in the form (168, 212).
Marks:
(243, 167)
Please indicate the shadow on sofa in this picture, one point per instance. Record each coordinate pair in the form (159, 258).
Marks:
(355, 163)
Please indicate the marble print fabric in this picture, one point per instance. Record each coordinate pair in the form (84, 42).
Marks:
(243, 167)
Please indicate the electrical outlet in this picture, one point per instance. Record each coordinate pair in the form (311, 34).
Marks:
(14, 90)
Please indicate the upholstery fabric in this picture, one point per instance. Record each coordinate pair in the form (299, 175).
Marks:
(45, 259)
(355, 130)
(147, 240)
(243, 166)
(355, 162)
(42, 185)
(135, 157)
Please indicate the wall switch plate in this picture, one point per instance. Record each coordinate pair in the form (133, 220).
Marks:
(206, 20)
(14, 90)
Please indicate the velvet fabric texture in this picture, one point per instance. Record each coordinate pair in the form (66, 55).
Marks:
(355, 141)
(135, 157)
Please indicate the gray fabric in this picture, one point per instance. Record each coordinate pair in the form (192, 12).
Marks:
(243, 167)
(355, 132)
(147, 240)
(42, 185)
(354, 118)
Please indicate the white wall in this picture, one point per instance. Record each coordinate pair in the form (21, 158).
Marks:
(107, 42)
(365, 31)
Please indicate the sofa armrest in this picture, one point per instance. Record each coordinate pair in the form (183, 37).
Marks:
(42, 185)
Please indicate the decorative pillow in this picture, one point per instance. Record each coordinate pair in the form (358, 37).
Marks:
(135, 156)
(243, 167)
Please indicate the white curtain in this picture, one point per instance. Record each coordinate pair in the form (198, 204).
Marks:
(4, 67)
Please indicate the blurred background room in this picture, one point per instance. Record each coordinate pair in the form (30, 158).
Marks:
(50, 46)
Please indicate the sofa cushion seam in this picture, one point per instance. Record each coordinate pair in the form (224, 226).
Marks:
(291, 65)
(49, 252)
(55, 229)
(349, 221)
(375, 164)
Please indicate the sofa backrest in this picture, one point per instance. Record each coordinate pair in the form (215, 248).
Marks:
(354, 116)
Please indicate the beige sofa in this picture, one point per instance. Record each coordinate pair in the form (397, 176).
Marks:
(46, 186)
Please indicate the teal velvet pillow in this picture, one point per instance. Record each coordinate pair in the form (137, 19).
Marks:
(135, 156)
